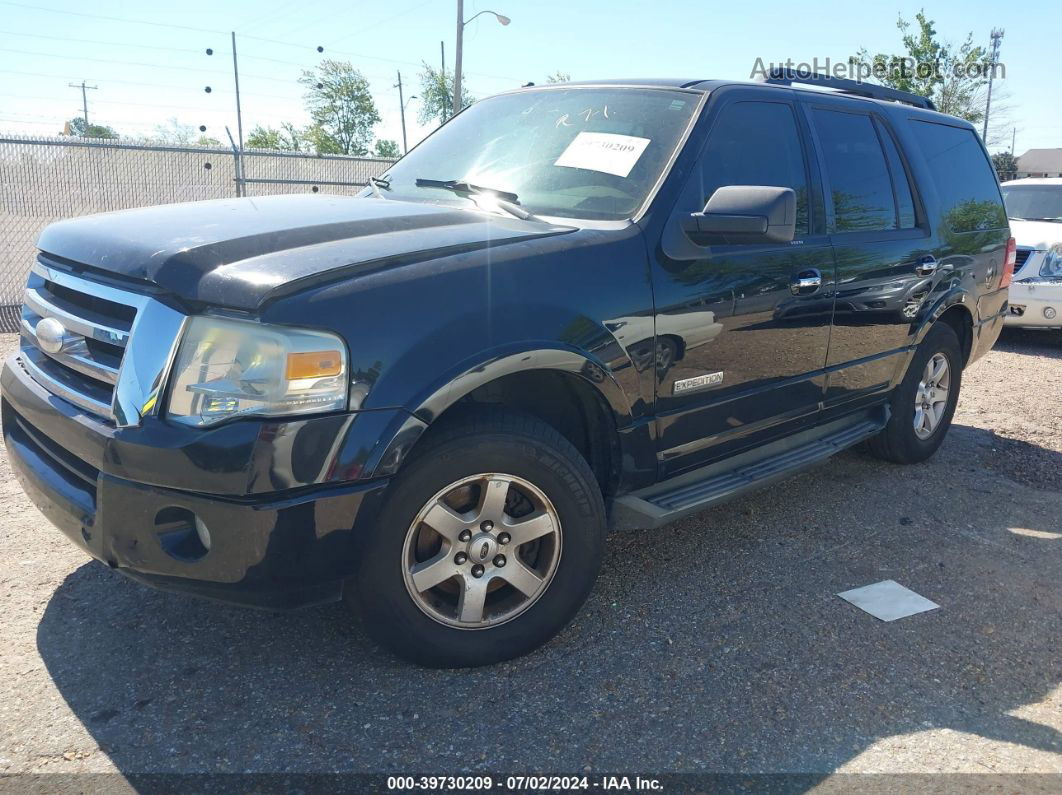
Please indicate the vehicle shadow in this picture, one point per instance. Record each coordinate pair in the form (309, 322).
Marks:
(716, 644)
(1024, 341)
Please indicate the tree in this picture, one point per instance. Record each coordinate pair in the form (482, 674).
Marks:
(558, 77)
(387, 148)
(341, 108)
(287, 138)
(173, 132)
(954, 77)
(1006, 165)
(437, 95)
(76, 126)
(319, 140)
(206, 140)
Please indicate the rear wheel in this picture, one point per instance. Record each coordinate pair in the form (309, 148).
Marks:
(488, 544)
(924, 402)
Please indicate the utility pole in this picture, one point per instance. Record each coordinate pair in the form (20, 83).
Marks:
(457, 55)
(1013, 138)
(442, 63)
(402, 109)
(240, 184)
(84, 100)
(996, 35)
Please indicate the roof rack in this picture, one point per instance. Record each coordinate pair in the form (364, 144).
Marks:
(783, 76)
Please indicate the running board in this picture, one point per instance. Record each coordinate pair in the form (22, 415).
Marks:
(702, 488)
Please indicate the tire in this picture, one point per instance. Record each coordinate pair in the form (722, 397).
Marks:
(551, 490)
(900, 442)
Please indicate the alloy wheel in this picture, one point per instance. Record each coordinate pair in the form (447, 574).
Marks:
(482, 551)
(931, 397)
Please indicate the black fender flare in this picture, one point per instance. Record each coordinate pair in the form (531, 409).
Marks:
(955, 296)
(490, 366)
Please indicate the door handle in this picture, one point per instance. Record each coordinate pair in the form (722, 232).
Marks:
(926, 266)
(806, 282)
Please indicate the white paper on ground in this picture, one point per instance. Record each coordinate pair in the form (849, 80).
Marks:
(888, 600)
(605, 152)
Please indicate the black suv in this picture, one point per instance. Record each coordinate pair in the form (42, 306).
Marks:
(571, 308)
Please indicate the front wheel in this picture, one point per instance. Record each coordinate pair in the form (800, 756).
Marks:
(488, 544)
(924, 402)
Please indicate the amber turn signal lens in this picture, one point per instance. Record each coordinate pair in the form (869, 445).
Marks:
(316, 364)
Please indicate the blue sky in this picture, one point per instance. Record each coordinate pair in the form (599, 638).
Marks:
(148, 73)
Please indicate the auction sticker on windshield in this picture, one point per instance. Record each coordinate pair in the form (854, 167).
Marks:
(605, 152)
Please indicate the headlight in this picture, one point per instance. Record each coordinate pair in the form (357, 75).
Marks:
(1052, 267)
(235, 368)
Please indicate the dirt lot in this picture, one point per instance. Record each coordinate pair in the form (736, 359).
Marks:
(715, 644)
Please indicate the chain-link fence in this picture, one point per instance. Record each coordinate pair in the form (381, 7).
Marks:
(46, 179)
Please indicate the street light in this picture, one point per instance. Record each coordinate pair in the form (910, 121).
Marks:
(461, 22)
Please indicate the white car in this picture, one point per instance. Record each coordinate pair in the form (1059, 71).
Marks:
(1035, 210)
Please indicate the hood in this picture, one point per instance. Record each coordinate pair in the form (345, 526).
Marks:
(240, 253)
(1040, 235)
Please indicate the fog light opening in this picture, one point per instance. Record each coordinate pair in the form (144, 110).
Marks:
(181, 534)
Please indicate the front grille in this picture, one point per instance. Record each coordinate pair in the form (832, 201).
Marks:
(79, 355)
(105, 349)
(1022, 257)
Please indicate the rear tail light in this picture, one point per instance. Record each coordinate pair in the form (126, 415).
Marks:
(1009, 261)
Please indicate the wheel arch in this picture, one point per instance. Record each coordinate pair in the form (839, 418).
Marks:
(954, 309)
(567, 389)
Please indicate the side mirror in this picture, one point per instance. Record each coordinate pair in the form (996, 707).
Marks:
(744, 214)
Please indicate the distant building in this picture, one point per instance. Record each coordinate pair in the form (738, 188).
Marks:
(1040, 163)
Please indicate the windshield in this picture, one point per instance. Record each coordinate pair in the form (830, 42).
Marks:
(588, 153)
(1033, 202)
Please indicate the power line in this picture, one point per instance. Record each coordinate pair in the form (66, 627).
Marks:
(188, 50)
(283, 11)
(384, 21)
(107, 18)
(114, 61)
(216, 71)
(156, 85)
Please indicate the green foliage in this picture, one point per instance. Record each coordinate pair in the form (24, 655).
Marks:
(286, 138)
(1006, 165)
(173, 132)
(934, 72)
(437, 95)
(341, 108)
(387, 148)
(206, 140)
(76, 126)
(322, 142)
(558, 77)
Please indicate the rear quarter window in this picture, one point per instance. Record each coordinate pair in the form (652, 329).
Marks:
(963, 177)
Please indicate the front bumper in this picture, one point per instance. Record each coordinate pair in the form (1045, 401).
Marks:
(1032, 301)
(286, 546)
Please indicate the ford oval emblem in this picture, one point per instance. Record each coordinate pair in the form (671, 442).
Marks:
(484, 550)
(51, 335)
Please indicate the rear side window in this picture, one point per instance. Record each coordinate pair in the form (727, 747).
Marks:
(757, 143)
(964, 178)
(905, 211)
(860, 182)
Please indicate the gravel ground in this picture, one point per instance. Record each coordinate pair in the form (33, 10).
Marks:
(715, 644)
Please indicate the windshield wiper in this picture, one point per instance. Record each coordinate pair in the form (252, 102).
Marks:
(504, 199)
(375, 183)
